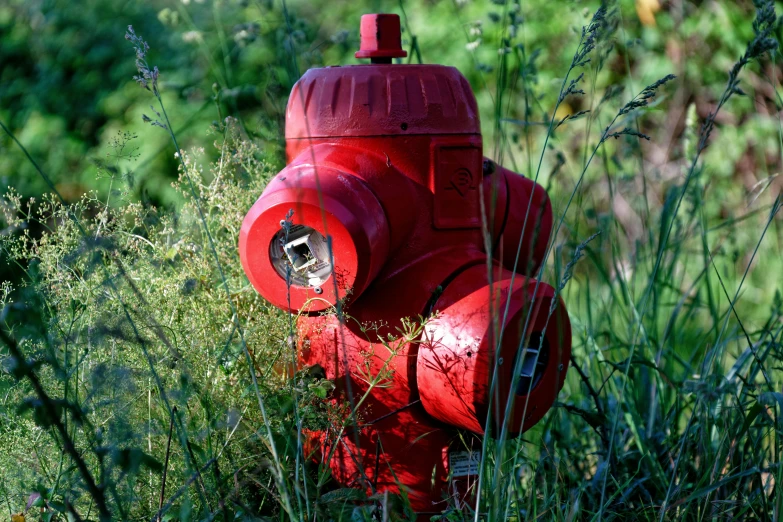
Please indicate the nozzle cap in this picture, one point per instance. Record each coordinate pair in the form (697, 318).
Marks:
(457, 363)
(316, 236)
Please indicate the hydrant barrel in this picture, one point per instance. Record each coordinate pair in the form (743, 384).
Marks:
(386, 216)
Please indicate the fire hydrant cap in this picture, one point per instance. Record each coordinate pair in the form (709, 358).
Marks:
(336, 239)
(457, 372)
(380, 37)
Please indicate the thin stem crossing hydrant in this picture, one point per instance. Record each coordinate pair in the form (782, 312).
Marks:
(387, 210)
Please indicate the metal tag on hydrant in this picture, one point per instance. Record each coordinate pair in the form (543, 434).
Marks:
(464, 463)
(379, 209)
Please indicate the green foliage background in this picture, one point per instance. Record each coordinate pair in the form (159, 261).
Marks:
(675, 403)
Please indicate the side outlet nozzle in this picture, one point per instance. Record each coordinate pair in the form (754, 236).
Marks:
(316, 235)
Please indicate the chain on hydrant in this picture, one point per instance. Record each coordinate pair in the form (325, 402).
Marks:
(388, 207)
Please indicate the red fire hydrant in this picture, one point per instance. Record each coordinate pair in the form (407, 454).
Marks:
(385, 211)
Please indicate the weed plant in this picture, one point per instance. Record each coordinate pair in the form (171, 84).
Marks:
(148, 380)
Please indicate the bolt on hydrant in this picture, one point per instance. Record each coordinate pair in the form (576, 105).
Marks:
(387, 210)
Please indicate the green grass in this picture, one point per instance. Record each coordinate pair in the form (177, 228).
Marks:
(143, 375)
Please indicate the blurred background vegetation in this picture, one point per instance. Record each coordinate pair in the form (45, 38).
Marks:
(66, 89)
(67, 93)
(66, 86)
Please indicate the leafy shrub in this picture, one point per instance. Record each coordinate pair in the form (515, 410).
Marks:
(138, 324)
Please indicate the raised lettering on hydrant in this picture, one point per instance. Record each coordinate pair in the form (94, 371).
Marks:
(388, 207)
